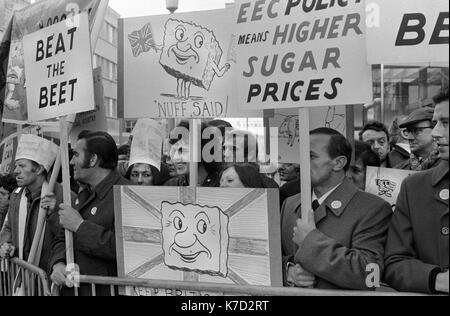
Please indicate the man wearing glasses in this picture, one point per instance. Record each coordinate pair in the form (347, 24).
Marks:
(418, 130)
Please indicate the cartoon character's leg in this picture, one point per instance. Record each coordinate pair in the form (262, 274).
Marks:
(187, 89)
(180, 87)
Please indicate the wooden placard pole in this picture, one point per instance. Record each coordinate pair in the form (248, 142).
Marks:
(194, 143)
(305, 164)
(63, 127)
(33, 257)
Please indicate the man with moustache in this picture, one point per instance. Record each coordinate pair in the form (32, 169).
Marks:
(417, 249)
(92, 222)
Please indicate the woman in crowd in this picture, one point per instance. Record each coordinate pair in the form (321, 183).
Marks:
(243, 175)
(364, 157)
(147, 175)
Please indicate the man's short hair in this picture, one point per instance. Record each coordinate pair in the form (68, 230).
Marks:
(374, 126)
(441, 97)
(103, 145)
(338, 145)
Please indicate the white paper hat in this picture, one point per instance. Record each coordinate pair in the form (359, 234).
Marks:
(147, 143)
(37, 149)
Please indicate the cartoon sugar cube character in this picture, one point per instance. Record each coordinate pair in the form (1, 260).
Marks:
(191, 54)
(195, 238)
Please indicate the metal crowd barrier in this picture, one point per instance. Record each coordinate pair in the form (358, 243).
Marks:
(141, 287)
(19, 278)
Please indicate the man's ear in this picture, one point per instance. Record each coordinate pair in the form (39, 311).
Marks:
(93, 161)
(340, 163)
(40, 170)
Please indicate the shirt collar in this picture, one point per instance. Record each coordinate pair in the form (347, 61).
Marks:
(104, 187)
(33, 195)
(325, 196)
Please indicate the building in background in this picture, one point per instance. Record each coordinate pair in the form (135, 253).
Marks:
(7, 7)
(105, 56)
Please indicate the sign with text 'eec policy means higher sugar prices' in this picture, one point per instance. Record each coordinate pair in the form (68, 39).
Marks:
(58, 67)
(294, 53)
(407, 31)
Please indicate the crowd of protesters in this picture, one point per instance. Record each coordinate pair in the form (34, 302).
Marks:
(354, 229)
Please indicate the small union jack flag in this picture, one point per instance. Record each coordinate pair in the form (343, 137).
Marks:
(142, 40)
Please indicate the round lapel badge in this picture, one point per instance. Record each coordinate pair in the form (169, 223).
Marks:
(77, 202)
(444, 194)
(336, 205)
(94, 211)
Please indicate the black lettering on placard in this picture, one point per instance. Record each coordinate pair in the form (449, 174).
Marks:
(334, 83)
(293, 91)
(56, 94)
(436, 38)
(406, 28)
(44, 49)
(254, 91)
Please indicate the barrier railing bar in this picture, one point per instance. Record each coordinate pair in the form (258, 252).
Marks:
(229, 289)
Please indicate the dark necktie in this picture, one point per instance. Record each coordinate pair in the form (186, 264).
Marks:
(315, 205)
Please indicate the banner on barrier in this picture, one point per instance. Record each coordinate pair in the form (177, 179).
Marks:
(186, 234)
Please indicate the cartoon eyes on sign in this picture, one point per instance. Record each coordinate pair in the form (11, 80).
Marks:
(190, 53)
(195, 238)
(386, 187)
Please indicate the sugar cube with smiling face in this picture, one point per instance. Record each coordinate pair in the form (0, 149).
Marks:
(195, 238)
(190, 53)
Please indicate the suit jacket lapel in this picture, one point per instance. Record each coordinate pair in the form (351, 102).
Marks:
(337, 202)
(440, 184)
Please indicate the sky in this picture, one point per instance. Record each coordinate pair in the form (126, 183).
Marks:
(132, 8)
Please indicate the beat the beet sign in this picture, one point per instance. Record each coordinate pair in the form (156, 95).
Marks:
(59, 93)
(58, 65)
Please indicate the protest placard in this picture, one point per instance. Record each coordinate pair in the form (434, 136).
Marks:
(287, 122)
(93, 120)
(58, 65)
(32, 18)
(386, 183)
(8, 148)
(181, 66)
(407, 31)
(301, 54)
(237, 235)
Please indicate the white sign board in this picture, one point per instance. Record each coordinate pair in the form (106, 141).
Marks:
(180, 66)
(93, 120)
(407, 31)
(58, 65)
(301, 54)
(287, 123)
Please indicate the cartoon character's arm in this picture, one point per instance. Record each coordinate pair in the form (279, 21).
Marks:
(221, 72)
